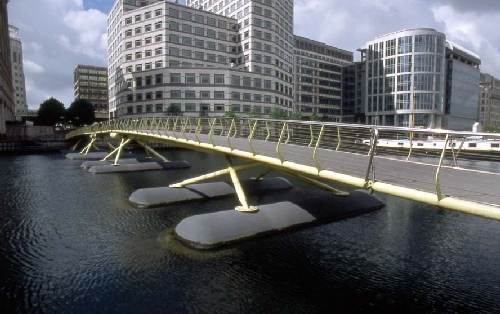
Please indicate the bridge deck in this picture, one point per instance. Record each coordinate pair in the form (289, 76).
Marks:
(471, 185)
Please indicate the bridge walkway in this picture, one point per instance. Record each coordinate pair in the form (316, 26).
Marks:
(472, 185)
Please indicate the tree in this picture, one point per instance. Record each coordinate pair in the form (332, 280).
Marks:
(230, 113)
(314, 117)
(173, 110)
(255, 113)
(81, 112)
(277, 113)
(296, 116)
(51, 112)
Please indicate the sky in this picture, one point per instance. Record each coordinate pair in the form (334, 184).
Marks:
(57, 35)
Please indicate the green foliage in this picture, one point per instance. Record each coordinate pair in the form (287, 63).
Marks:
(81, 112)
(314, 117)
(51, 112)
(493, 129)
(255, 113)
(230, 113)
(296, 115)
(173, 110)
(277, 113)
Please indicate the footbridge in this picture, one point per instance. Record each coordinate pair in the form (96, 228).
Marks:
(319, 153)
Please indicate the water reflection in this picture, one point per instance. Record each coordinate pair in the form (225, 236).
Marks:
(73, 243)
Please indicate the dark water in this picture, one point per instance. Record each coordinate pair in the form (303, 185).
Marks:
(71, 243)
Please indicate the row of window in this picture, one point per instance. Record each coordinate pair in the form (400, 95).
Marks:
(190, 94)
(192, 107)
(421, 82)
(407, 44)
(407, 63)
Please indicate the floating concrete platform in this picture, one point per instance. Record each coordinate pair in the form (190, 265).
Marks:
(88, 156)
(223, 228)
(151, 197)
(90, 163)
(140, 166)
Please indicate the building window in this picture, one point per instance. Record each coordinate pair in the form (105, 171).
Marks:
(190, 94)
(190, 78)
(219, 78)
(159, 79)
(175, 94)
(204, 94)
(175, 78)
(219, 94)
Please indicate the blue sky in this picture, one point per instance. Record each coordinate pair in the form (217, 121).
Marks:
(58, 35)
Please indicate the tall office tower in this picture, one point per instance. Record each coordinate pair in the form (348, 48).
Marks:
(266, 39)
(91, 83)
(405, 76)
(489, 101)
(18, 81)
(462, 81)
(6, 90)
(163, 55)
(324, 81)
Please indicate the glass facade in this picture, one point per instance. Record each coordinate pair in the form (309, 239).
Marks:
(404, 78)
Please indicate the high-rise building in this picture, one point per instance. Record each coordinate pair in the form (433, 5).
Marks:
(415, 78)
(202, 58)
(18, 81)
(6, 90)
(91, 83)
(489, 101)
(324, 81)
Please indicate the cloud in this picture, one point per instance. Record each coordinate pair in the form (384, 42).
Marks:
(33, 67)
(473, 31)
(57, 35)
(350, 24)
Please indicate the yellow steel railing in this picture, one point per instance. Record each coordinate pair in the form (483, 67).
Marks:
(205, 133)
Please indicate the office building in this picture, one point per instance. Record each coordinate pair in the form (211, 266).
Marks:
(324, 81)
(91, 83)
(489, 101)
(462, 81)
(415, 78)
(18, 81)
(203, 61)
(7, 107)
(405, 76)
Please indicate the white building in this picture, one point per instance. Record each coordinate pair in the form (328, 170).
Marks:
(204, 61)
(415, 77)
(18, 81)
(405, 75)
